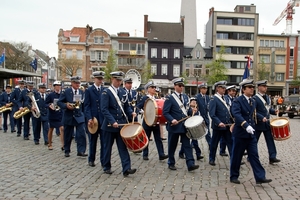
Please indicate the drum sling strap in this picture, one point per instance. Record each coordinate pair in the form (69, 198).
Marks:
(264, 101)
(224, 102)
(118, 100)
(180, 104)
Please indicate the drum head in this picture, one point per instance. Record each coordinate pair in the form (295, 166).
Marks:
(150, 112)
(279, 122)
(193, 121)
(131, 130)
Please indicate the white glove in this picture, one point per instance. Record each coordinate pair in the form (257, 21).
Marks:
(141, 111)
(250, 130)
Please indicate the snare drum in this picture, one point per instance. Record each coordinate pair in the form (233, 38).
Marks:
(196, 127)
(153, 110)
(280, 128)
(134, 137)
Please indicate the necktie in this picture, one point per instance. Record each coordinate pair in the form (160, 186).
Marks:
(250, 101)
(98, 89)
(265, 97)
(180, 97)
(222, 97)
(129, 92)
(43, 97)
(75, 92)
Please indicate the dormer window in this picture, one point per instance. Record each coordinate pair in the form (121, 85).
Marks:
(74, 39)
(99, 40)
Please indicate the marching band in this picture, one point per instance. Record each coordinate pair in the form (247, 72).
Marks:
(92, 112)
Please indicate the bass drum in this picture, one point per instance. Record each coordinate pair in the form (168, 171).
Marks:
(280, 128)
(153, 112)
(196, 127)
(134, 137)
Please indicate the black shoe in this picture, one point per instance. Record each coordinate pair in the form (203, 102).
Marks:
(18, 135)
(212, 163)
(46, 143)
(163, 138)
(36, 143)
(199, 157)
(263, 181)
(274, 160)
(193, 167)
(81, 154)
(4, 131)
(242, 163)
(181, 156)
(129, 171)
(62, 148)
(26, 138)
(13, 131)
(92, 164)
(67, 154)
(145, 158)
(223, 154)
(108, 171)
(150, 139)
(163, 157)
(172, 167)
(235, 181)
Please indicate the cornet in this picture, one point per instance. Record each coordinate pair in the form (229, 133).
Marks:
(75, 105)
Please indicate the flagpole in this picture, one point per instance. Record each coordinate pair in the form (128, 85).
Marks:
(4, 59)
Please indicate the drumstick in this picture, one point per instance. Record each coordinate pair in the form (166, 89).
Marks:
(133, 117)
(181, 120)
(109, 125)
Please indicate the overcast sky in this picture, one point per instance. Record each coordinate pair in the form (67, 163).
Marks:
(37, 22)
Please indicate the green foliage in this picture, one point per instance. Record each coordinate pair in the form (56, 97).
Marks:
(146, 73)
(111, 64)
(217, 68)
(263, 71)
(296, 82)
(184, 75)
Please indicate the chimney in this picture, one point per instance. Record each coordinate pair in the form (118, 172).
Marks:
(145, 25)
(211, 11)
(182, 21)
(88, 29)
(123, 34)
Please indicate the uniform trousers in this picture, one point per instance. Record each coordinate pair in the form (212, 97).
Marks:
(80, 137)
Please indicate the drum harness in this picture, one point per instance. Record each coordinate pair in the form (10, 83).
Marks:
(119, 102)
(267, 106)
(179, 103)
(224, 102)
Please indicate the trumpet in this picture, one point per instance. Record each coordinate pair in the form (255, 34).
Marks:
(20, 113)
(4, 108)
(133, 103)
(75, 105)
(55, 107)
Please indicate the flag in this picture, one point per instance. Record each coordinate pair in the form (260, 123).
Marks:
(33, 64)
(247, 67)
(2, 58)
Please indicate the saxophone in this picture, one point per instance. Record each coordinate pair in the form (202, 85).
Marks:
(4, 108)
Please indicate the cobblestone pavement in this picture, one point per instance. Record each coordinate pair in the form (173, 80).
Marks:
(30, 171)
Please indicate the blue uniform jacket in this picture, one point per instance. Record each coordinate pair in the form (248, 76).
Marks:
(92, 104)
(228, 99)
(112, 112)
(134, 97)
(23, 100)
(70, 117)
(202, 103)
(263, 112)
(43, 106)
(4, 99)
(218, 113)
(15, 95)
(243, 114)
(54, 115)
(171, 110)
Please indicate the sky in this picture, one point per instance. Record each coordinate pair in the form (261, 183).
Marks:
(37, 22)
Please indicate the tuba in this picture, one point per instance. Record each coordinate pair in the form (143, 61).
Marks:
(136, 78)
(4, 108)
(36, 113)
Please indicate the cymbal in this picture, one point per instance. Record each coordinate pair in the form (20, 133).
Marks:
(94, 128)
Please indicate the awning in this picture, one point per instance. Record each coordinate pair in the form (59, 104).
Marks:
(9, 73)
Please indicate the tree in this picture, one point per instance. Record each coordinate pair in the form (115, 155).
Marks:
(111, 64)
(217, 68)
(70, 66)
(146, 73)
(296, 82)
(263, 71)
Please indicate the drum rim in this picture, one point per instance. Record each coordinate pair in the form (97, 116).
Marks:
(130, 124)
(274, 119)
(156, 112)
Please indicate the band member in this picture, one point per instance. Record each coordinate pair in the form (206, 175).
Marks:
(132, 94)
(23, 103)
(92, 108)
(15, 95)
(194, 143)
(263, 108)
(243, 111)
(229, 97)
(70, 100)
(175, 111)
(55, 115)
(116, 109)
(150, 88)
(40, 97)
(159, 95)
(221, 121)
(5, 101)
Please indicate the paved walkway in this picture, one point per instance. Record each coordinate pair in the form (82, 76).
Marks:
(30, 171)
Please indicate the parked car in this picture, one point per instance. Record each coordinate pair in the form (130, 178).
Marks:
(293, 108)
(282, 109)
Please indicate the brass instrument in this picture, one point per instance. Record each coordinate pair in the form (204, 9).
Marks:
(36, 113)
(18, 114)
(75, 105)
(4, 108)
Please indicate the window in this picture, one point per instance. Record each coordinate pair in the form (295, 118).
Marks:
(224, 21)
(267, 43)
(153, 53)
(240, 65)
(79, 54)
(74, 39)
(280, 59)
(271, 43)
(99, 40)
(281, 43)
(99, 55)
(264, 58)
(176, 70)
(222, 36)
(198, 54)
(164, 69)
(154, 69)
(79, 72)
(125, 47)
(140, 48)
(245, 22)
(187, 72)
(291, 52)
(132, 47)
(280, 77)
(69, 54)
(276, 43)
(227, 65)
(164, 53)
(176, 53)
